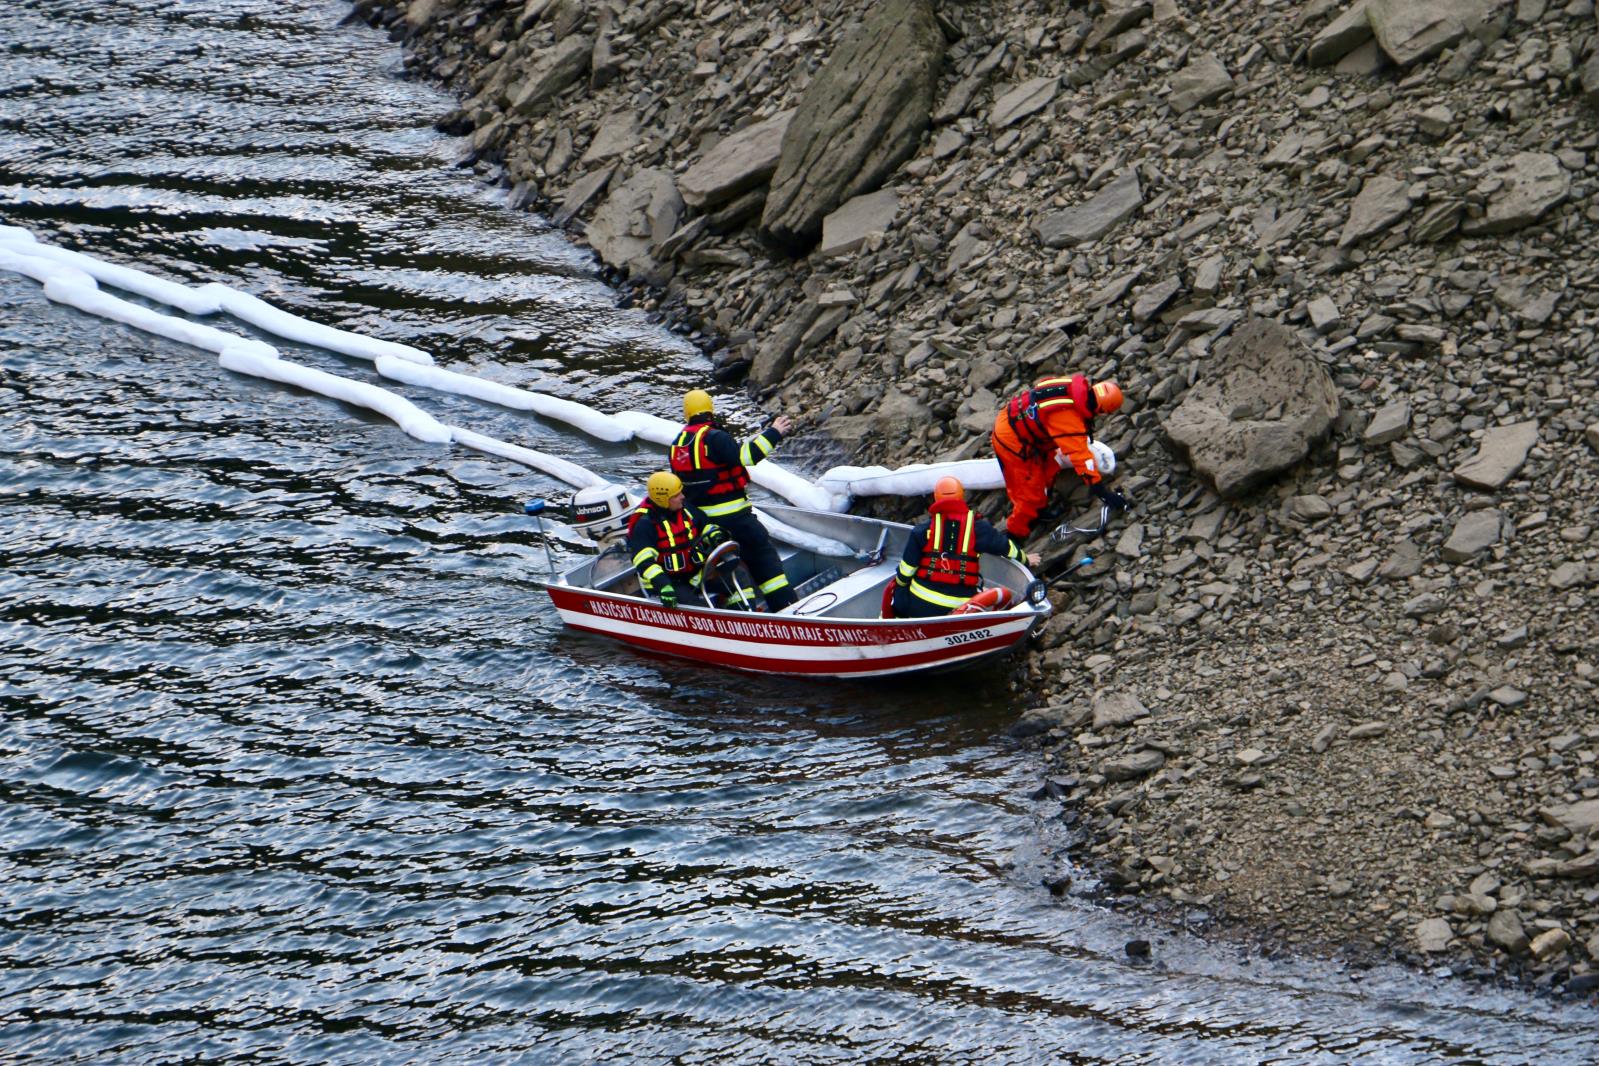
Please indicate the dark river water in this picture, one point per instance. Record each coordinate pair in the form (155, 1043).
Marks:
(296, 763)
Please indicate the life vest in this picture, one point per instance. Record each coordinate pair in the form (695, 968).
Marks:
(675, 533)
(1026, 411)
(950, 560)
(692, 462)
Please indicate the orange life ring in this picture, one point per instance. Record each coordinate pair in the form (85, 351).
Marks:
(993, 599)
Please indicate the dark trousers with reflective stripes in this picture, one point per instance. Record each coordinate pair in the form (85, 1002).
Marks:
(755, 547)
(909, 605)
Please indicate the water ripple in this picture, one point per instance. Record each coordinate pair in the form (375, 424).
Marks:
(296, 763)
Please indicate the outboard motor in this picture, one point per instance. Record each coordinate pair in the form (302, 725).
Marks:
(600, 512)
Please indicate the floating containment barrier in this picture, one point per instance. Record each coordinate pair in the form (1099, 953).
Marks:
(73, 278)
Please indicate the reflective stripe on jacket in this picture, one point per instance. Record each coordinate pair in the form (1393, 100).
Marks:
(713, 465)
(942, 564)
(662, 542)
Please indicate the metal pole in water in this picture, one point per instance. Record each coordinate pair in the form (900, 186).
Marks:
(535, 508)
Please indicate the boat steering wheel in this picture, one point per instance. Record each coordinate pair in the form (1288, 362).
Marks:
(723, 555)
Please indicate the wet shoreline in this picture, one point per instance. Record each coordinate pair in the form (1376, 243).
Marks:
(1102, 192)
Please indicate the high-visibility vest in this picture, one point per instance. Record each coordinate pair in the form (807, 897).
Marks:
(675, 533)
(692, 462)
(1026, 411)
(950, 560)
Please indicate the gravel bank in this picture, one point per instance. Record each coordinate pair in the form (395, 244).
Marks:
(1334, 675)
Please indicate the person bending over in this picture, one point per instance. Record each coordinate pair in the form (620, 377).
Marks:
(1042, 430)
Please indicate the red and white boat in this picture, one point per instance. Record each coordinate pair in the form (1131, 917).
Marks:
(839, 568)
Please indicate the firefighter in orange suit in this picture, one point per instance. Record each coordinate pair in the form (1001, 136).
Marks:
(714, 468)
(1042, 430)
(942, 564)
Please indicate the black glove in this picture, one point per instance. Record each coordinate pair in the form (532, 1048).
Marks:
(1114, 500)
(668, 596)
(712, 536)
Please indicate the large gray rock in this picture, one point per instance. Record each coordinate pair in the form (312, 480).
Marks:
(862, 116)
(1434, 935)
(1199, 82)
(1590, 81)
(1500, 454)
(1132, 767)
(1580, 817)
(1506, 932)
(1475, 532)
(1117, 709)
(1388, 424)
(1533, 182)
(1094, 218)
(735, 164)
(1413, 30)
(846, 229)
(1341, 36)
(637, 215)
(1257, 411)
(776, 353)
(617, 135)
(1382, 202)
(553, 72)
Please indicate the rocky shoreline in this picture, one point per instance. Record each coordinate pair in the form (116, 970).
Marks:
(1335, 678)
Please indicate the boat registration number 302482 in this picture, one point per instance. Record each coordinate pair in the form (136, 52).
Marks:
(968, 636)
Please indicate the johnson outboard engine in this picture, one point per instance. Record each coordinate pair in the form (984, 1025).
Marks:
(600, 512)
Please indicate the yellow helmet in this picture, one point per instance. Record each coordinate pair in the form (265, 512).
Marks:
(662, 486)
(697, 402)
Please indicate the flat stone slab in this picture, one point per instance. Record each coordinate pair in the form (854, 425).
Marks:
(1533, 182)
(1500, 454)
(1341, 36)
(555, 70)
(735, 164)
(1388, 424)
(1475, 532)
(1132, 767)
(1577, 817)
(1153, 300)
(1412, 30)
(1092, 219)
(618, 133)
(1382, 201)
(1118, 709)
(1027, 98)
(1200, 82)
(846, 229)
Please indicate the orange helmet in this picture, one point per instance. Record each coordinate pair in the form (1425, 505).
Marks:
(1107, 397)
(948, 488)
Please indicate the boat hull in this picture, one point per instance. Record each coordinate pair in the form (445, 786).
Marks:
(793, 645)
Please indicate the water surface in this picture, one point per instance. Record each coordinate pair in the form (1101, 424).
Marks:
(296, 763)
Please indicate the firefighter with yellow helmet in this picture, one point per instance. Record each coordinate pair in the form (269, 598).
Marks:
(668, 539)
(714, 467)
